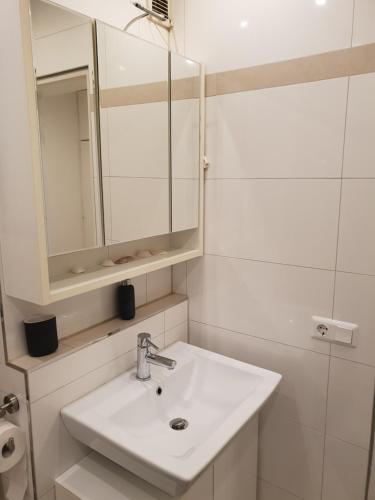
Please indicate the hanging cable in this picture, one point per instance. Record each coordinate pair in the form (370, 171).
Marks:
(138, 18)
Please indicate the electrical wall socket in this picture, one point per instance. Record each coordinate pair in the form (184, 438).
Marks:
(338, 332)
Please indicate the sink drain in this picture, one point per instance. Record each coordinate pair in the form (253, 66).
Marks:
(179, 424)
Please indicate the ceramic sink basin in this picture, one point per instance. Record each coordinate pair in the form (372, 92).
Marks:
(128, 421)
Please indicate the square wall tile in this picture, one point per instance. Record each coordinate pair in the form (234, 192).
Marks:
(356, 236)
(232, 477)
(11, 380)
(177, 334)
(301, 395)
(354, 302)
(159, 284)
(276, 31)
(350, 401)
(294, 131)
(176, 315)
(290, 455)
(279, 221)
(363, 28)
(359, 154)
(179, 278)
(178, 13)
(269, 301)
(345, 471)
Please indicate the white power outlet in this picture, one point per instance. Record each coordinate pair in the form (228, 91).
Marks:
(338, 332)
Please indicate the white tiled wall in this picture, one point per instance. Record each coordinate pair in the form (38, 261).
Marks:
(288, 234)
(296, 132)
(273, 230)
(82, 311)
(229, 35)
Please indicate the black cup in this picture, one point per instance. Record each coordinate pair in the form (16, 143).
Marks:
(41, 335)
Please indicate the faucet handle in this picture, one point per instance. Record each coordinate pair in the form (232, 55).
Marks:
(144, 340)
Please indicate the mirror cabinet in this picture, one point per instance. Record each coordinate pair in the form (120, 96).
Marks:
(116, 147)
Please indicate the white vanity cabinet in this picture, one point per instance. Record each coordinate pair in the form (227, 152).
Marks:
(31, 271)
(232, 475)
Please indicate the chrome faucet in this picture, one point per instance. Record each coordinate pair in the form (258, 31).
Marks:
(145, 357)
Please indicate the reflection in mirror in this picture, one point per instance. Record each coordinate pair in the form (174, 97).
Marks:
(134, 116)
(63, 56)
(185, 142)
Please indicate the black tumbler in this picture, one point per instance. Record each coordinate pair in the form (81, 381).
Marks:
(41, 335)
(126, 300)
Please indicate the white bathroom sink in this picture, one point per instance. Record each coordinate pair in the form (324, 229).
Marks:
(129, 422)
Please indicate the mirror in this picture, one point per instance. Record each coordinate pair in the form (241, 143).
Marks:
(63, 54)
(119, 133)
(134, 116)
(185, 142)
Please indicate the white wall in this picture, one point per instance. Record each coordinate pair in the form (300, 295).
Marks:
(118, 13)
(289, 212)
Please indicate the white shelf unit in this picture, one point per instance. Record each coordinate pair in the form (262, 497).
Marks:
(26, 265)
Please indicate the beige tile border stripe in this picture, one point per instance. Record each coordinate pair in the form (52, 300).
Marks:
(136, 94)
(185, 88)
(336, 64)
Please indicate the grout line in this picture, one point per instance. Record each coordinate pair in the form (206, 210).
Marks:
(185, 25)
(299, 266)
(213, 479)
(152, 178)
(50, 490)
(279, 488)
(31, 436)
(261, 338)
(352, 273)
(335, 281)
(269, 262)
(332, 436)
(325, 429)
(353, 19)
(340, 198)
(70, 28)
(177, 325)
(370, 452)
(334, 356)
(287, 178)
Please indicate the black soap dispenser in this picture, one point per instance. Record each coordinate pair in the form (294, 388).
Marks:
(126, 300)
